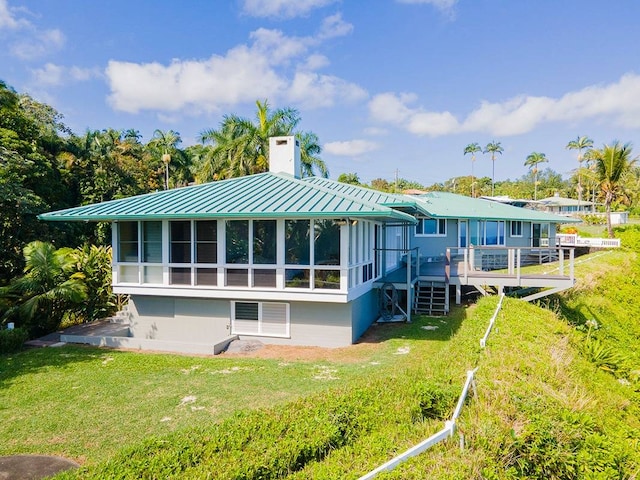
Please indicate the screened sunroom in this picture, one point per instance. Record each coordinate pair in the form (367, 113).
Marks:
(279, 254)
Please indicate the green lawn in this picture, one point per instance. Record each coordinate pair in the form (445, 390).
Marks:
(86, 403)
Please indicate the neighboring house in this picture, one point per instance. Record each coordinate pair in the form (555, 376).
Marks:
(565, 206)
(289, 260)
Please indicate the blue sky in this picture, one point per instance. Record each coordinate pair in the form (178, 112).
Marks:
(386, 84)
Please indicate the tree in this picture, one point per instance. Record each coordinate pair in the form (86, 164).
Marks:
(612, 163)
(580, 143)
(533, 160)
(309, 150)
(493, 148)
(472, 148)
(47, 290)
(241, 146)
(166, 144)
(350, 178)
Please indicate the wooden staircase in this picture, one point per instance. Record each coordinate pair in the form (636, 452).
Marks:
(430, 298)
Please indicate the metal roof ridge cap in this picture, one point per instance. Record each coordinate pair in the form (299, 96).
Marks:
(344, 196)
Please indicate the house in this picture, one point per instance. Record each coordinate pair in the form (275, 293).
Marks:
(290, 260)
(565, 206)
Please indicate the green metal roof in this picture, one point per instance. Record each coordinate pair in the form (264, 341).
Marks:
(266, 195)
(564, 202)
(451, 205)
(363, 193)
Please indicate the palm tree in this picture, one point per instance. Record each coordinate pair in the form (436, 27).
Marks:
(533, 159)
(612, 163)
(166, 143)
(309, 150)
(580, 143)
(472, 148)
(48, 289)
(241, 146)
(493, 148)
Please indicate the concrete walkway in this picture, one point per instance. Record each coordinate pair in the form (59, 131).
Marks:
(97, 328)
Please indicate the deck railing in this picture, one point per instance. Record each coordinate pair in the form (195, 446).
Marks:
(574, 240)
(510, 260)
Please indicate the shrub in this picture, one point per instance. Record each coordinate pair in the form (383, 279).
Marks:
(12, 340)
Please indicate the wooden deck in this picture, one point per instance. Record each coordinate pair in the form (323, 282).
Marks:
(474, 268)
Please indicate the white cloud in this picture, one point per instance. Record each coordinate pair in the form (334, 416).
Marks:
(391, 108)
(53, 75)
(618, 103)
(314, 62)
(312, 90)
(334, 26)
(39, 44)
(8, 20)
(351, 148)
(26, 41)
(376, 131)
(272, 66)
(282, 8)
(445, 6)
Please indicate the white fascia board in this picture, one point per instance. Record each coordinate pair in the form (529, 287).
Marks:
(231, 294)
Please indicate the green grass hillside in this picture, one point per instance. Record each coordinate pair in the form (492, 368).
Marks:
(558, 396)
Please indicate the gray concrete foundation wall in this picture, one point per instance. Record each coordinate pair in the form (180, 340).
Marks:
(208, 321)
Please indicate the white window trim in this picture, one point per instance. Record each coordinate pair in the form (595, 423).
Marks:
(438, 220)
(521, 228)
(287, 334)
(484, 233)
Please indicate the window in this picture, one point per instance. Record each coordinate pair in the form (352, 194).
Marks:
(296, 242)
(327, 243)
(180, 251)
(237, 241)
(493, 232)
(432, 226)
(152, 242)
(128, 242)
(516, 228)
(264, 242)
(206, 241)
(260, 318)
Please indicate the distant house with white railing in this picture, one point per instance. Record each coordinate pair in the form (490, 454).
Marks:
(575, 240)
(565, 206)
(305, 261)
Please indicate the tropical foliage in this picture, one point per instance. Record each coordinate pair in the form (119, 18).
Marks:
(613, 163)
(494, 148)
(532, 161)
(580, 143)
(240, 146)
(472, 148)
(59, 285)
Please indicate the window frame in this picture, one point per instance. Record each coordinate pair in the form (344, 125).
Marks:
(441, 227)
(521, 229)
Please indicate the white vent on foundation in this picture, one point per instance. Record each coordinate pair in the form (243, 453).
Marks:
(284, 156)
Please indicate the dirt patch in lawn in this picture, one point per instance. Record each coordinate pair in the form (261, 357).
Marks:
(367, 345)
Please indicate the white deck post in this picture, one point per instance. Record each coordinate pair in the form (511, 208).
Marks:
(409, 289)
(571, 253)
(518, 262)
(561, 252)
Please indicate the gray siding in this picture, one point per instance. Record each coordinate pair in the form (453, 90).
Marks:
(208, 321)
(435, 245)
(179, 319)
(364, 311)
